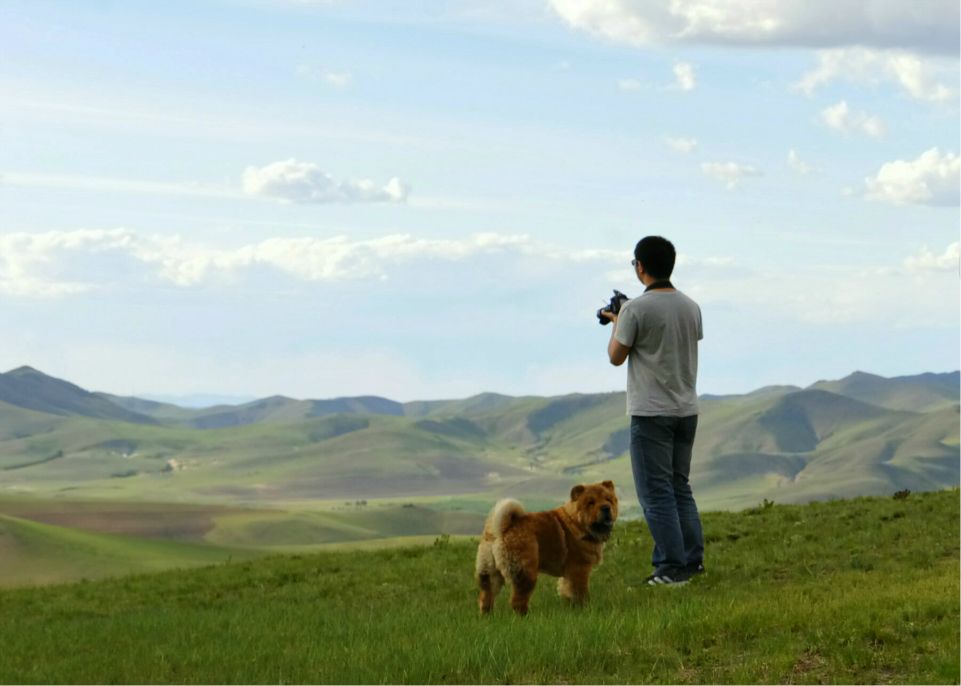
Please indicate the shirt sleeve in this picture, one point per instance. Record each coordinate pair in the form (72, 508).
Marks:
(626, 332)
(700, 325)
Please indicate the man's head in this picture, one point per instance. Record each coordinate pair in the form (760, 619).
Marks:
(654, 256)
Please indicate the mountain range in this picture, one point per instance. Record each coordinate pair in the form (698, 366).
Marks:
(863, 434)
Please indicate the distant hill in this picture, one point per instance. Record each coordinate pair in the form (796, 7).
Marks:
(30, 389)
(150, 408)
(199, 400)
(919, 393)
(855, 436)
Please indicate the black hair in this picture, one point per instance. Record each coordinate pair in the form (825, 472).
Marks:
(656, 254)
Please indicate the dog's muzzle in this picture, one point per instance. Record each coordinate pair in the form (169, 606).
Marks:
(604, 524)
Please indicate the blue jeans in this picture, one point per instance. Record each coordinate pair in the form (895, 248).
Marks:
(661, 450)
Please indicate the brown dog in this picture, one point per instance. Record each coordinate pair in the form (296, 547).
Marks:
(565, 542)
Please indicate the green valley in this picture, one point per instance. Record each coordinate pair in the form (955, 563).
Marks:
(280, 473)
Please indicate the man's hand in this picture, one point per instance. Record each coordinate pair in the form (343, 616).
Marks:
(610, 316)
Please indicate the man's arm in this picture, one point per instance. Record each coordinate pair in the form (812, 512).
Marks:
(617, 352)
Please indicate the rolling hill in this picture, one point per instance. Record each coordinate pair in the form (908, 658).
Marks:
(35, 553)
(30, 389)
(921, 393)
(781, 442)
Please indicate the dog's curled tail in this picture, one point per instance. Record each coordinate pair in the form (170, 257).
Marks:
(504, 514)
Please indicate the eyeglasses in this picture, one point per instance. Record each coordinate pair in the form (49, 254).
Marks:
(634, 263)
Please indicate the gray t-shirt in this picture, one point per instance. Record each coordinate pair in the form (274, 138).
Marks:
(662, 329)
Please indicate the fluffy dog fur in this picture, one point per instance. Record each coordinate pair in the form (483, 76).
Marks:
(565, 542)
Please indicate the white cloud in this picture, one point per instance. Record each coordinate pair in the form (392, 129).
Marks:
(931, 179)
(39, 264)
(794, 161)
(929, 26)
(58, 263)
(926, 260)
(64, 262)
(683, 145)
(629, 84)
(918, 77)
(842, 118)
(303, 182)
(730, 173)
(684, 76)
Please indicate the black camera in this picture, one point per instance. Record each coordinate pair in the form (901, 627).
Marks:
(614, 307)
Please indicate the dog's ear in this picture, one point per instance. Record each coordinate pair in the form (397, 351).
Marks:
(609, 485)
(577, 490)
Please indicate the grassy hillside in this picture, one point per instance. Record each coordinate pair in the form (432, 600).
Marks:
(304, 529)
(28, 388)
(54, 540)
(34, 553)
(780, 442)
(861, 591)
(920, 393)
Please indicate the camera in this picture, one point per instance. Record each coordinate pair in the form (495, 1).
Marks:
(613, 307)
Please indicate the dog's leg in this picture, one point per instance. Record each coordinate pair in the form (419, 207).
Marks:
(578, 579)
(488, 577)
(564, 589)
(490, 585)
(523, 583)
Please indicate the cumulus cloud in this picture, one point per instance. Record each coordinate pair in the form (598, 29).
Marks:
(842, 118)
(304, 182)
(58, 263)
(65, 262)
(926, 260)
(683, 145)
(49, 264)
(929, 26)
(931, 179)
(920, 78)
(684, 76)
(729, 173)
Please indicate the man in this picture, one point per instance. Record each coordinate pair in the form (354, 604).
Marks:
(657, 333)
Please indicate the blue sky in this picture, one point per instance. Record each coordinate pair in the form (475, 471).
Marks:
(425, 200)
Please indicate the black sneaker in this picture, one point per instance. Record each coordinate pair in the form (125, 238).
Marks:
(695, 568)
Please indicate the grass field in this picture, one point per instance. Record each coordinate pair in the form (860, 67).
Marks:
(45, 541)
(34, 553)
(859, 591)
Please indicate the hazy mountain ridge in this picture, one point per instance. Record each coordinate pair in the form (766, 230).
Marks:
(794, 444)
(32, 390)
(917, 393)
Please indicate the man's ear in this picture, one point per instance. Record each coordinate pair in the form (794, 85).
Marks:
(577, 490)
(609, 485)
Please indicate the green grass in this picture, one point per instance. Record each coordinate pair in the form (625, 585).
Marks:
(860, 591)
(35, 553)
(84, 531)
(262, 529)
